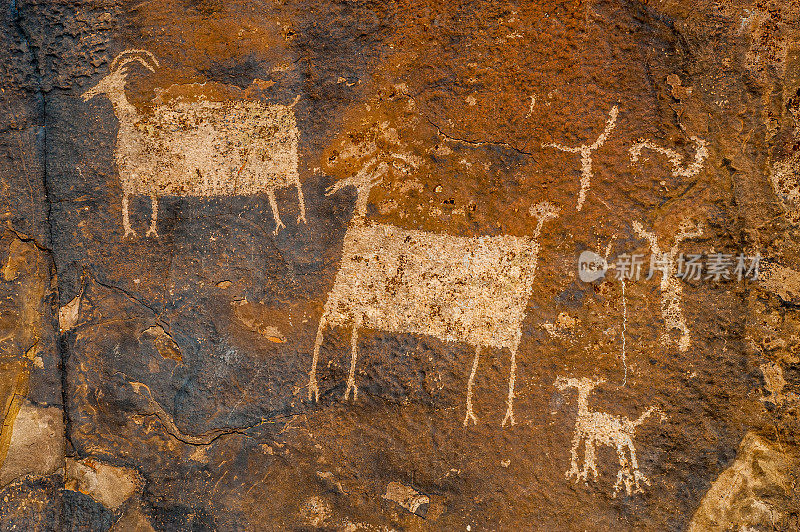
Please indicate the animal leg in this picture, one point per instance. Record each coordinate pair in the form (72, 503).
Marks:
(637, 476)
(624, 474)
(301, 200)
(274, 206)
(589, 461)
(153, 216)
(586, 176)
(510, 401)
(351, 379)
(573, 470)
(313, 390)
(470, 414)
(634, 462)
(685, 340)
(126, 221)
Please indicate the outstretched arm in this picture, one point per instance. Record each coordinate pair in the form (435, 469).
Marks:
(650, 237)
(686, 231)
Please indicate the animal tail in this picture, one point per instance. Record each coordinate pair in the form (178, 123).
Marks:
(647, 413)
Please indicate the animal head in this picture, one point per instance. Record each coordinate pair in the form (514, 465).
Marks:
(543, 211)
(366, 178)
(584, 384)
(114, 81)
(382, 141)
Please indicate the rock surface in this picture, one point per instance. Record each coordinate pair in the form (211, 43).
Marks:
(314, 265)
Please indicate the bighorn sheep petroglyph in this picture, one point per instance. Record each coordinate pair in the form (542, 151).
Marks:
(594, 428)
(199, 148)
(458, 289)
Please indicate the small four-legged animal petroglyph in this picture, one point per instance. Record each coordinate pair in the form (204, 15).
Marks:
(594, 428)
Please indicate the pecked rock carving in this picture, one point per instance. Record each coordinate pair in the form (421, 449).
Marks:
(671, 287)
(675, 158)
(585, 151)
(199, 148)
(458, 289)
(594, 428)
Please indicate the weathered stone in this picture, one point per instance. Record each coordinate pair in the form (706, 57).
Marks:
(37, 444)
(33, 503)
(109, 485)
(751, 492)
(311, 264)
(133, 521)
(408, 498)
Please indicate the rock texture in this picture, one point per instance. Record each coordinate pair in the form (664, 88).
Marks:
(314, 265)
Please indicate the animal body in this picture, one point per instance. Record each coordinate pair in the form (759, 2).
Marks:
(473, 290)
(593, 428)
(199, 148)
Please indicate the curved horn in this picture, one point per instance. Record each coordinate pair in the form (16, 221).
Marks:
(127, 56)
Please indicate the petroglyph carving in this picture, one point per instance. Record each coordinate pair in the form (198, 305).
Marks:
(675, 158)
(585, 151)
(199, 148)
(671, 287)
(594, 428)
(622, 334)
(458, 289)
(370, 175)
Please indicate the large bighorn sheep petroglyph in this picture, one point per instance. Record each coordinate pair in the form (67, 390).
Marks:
(458, 289)
(199, 148)
(671, 287)
(585, 150)
(594, 428)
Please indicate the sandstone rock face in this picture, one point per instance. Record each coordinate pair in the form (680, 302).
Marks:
(744, 495)
(37, 443)
(358, 265)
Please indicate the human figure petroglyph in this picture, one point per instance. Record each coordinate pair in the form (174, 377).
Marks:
(594, 428)
(458, 289)
(199, 148)
(585, 150)
(671, 287)
(675, 158)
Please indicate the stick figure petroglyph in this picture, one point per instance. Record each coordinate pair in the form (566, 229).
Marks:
(671, 287)
(594, 428)
(585, 151)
